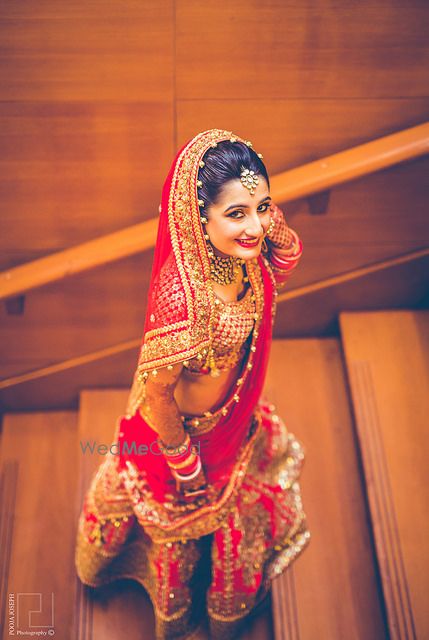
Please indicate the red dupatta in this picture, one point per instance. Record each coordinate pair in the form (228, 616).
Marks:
(177, 327)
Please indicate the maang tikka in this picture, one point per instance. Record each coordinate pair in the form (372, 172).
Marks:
(249, 180)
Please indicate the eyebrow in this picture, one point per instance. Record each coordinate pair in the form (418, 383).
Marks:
(244, 206)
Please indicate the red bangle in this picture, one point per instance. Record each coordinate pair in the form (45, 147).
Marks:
(180, 457)
(189, 470)
(184, 464)
(283, 265)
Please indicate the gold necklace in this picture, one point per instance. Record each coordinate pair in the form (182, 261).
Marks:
(222, 270)
(225, 270)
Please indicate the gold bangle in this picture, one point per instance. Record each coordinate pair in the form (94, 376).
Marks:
(185, 463)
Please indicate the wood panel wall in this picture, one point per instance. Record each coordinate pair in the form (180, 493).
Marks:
(96, 97)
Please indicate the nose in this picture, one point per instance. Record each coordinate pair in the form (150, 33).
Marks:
(254, 228)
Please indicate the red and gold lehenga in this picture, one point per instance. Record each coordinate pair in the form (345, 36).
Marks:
(210, 562)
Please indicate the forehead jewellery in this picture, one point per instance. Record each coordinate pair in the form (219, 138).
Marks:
(249, 180)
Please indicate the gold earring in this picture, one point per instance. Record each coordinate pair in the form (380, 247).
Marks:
(271, 226)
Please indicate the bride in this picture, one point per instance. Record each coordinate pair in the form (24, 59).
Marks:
(205, 510)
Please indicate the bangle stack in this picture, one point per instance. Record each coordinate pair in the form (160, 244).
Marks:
(282, 260)
(184, 464)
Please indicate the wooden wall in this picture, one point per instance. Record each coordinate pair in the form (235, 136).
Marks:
(97, 96)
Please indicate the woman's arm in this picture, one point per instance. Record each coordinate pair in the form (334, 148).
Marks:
(162, 414)
(285, 247)
(160, 406)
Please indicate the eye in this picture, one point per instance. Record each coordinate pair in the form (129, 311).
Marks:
(237, 214)
(233, 214)
(266, 206)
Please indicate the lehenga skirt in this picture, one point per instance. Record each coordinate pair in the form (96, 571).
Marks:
(215, 581)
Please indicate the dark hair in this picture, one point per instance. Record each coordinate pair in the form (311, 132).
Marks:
(225, 162)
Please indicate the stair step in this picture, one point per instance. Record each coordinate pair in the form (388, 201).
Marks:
(332, 590)
(37, 525)
(387, 356)
(121, 608)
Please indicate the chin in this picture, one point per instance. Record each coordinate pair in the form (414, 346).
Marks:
(248, 254)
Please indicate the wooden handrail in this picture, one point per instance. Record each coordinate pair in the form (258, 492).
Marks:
(65, 365)
(287, 295)
(351, 164)
(289, 185)
(83, 257)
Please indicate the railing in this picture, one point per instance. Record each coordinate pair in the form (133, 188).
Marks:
(133, 345)
(289, 185)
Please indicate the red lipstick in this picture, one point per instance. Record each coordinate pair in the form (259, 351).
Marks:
(248, 244)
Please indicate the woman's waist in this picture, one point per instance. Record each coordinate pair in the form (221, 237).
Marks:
(196, 423)
(199, 397)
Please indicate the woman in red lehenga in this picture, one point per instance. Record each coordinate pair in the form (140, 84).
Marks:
(202, 504)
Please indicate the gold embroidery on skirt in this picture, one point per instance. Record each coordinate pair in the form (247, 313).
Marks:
(276, 461)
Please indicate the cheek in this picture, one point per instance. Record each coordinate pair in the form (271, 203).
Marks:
(225, 229)
(265, 221)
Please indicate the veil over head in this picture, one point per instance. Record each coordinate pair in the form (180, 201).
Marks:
(181, 301)
(178, 319)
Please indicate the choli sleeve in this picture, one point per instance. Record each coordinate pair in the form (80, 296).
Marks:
(284, 248)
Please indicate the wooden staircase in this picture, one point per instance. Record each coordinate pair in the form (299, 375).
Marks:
(387, 357)
(359, 405)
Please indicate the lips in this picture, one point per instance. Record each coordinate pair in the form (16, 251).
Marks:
(247, 243)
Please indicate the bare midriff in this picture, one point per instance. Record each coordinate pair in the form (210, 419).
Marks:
(196, 393)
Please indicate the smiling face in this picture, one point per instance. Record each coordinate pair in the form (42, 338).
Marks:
(237, 217)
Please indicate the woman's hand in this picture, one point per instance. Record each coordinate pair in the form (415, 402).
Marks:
(189, 490)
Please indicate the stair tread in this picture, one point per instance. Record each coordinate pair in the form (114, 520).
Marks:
(306, 382)
(387, 356)
(39, 483)
(321, 419)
